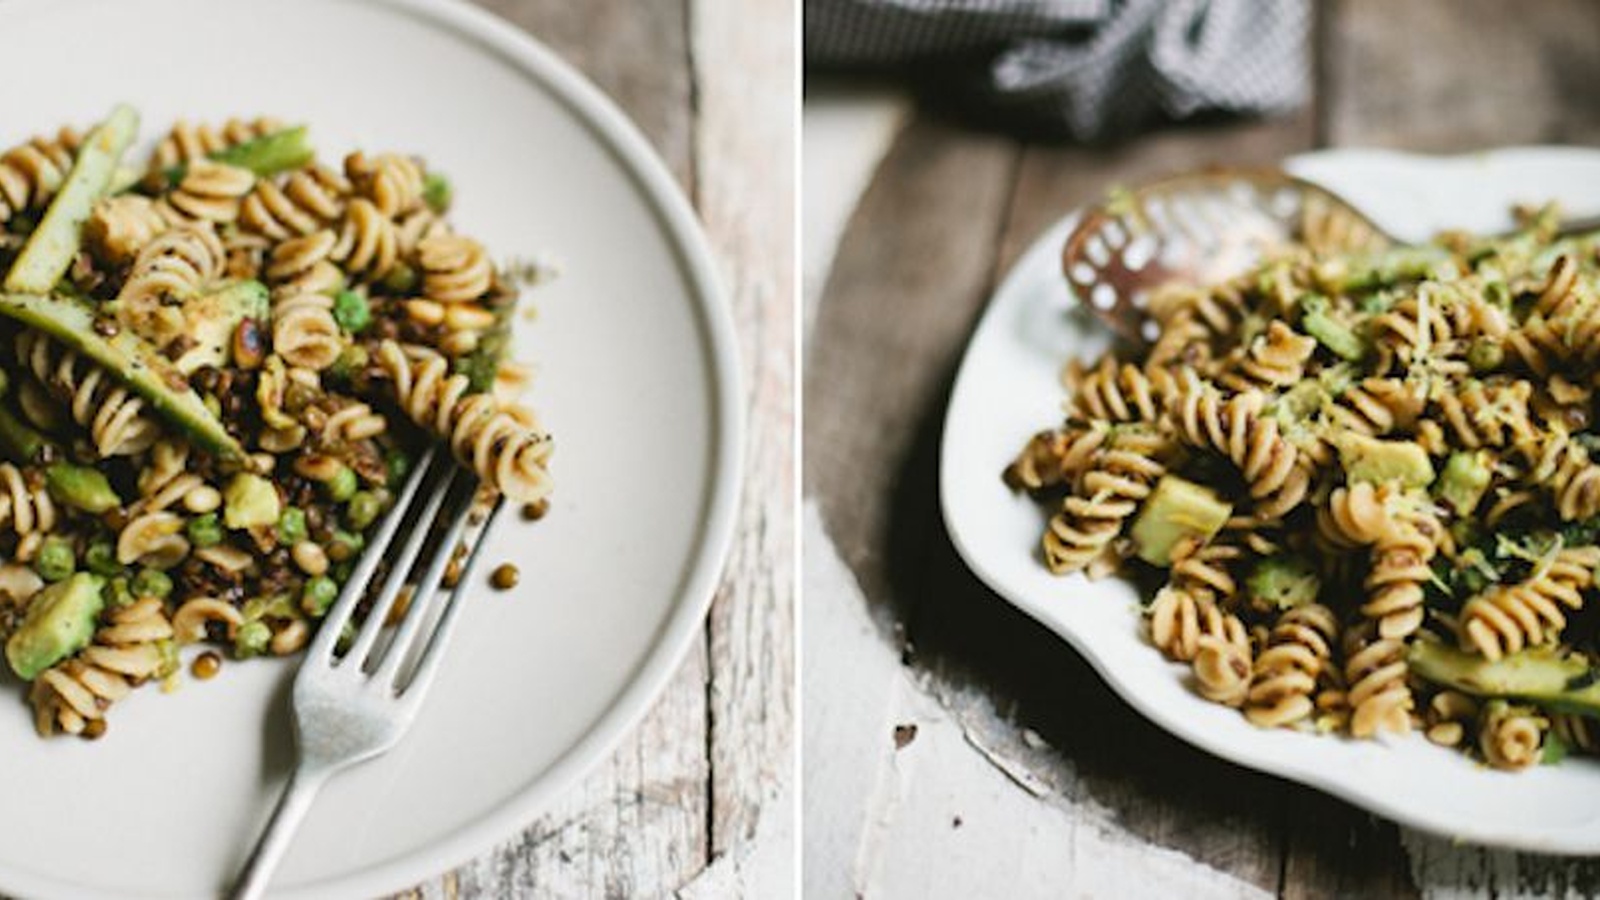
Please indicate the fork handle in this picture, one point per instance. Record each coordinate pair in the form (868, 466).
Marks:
(293, 803)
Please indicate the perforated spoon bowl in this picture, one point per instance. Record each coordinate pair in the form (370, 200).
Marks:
(1200, 227)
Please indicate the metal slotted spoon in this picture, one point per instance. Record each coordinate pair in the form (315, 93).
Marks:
(1201, 228)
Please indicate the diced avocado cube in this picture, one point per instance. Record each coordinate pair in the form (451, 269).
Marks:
(60, 621)
(1339, 338)
(1177, 512)
(250, 501)
(1466, 476)
(213, 318)
(1378, 461)
(1282, 582)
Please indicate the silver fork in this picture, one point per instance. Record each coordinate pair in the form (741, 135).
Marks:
(353, 706)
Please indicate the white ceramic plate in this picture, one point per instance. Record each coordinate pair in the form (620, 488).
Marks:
(636, 362)
(1008, 389)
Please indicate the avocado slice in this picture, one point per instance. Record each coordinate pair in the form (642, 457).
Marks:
(1544, 675)
(131, 360)
(213, 318)
(1177, 511)
(250, 501)
(60, 621)
(1378, 461)
(1282, 582)
(1466, 476)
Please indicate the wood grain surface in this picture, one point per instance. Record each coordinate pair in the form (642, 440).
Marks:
(949, 210)
(711, 84)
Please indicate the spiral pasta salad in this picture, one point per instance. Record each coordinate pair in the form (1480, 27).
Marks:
(222, 363)
(1367, 485)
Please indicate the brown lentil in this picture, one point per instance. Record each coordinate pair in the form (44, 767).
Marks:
(505, 577)
(536, 510)
(402, 605)
(94, 729)
(206, 666)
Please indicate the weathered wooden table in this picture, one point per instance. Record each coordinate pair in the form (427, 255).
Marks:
(711, 84)
(948, 212)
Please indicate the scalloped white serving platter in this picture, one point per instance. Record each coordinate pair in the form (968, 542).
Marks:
(634, 349)
(1008, 388)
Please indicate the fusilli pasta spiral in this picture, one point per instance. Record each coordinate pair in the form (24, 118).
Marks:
(31, 173)
(114, 416)
(127, 651)
(506, 453)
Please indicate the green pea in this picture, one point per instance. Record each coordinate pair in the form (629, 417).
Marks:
(342, 486)
(292, 525)
(1485, 355)
(251, 639)
(352, 359)
(364, 509)
(319, 594)
(152, 583)
(352, 311)
(436, 191)
(205, 531)
(118, 593)
(101, 559)
(344, 545)
(402, 279)
(347, 637)
(56, 561)
(397, 464)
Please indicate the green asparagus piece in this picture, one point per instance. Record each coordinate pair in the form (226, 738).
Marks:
(80, 487)
(53, 245)
(483, 363)
(131, 360)
(19, 442)
(269, 154)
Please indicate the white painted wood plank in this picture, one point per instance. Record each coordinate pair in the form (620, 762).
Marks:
(848, 704)
(746, 109)
(940, 814)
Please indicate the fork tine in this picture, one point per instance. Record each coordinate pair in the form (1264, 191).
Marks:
(356, 585)
(433, 651)
(400, 567)
(427, 589)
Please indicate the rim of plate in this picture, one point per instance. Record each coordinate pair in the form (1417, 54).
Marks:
(613, 129)
(1267, 761)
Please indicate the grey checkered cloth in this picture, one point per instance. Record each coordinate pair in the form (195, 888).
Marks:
(1089, 68)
